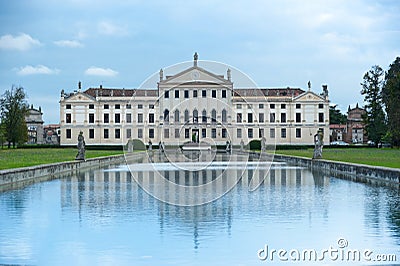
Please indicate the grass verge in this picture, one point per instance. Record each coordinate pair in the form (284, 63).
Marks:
(371, 156)
(15, 158)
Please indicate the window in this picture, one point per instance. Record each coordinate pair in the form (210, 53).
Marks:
(68, 106)
(250, 118)
(177, 134)
(106, 106)
(203, 133)
(187, 133)
(195, 94)
(214, 93)
(283, 106)
(204, 116)
(91, 133)
(166, 115)
(204, 93)
(186, 94)
(166, 94)
(128, 133)
(261, 106)
(106, 118)
(117, 106)
(140, 106)
(176, 115)
(106, 133)
(151, 118)
(272, 106)
(117, 118)
(223, 133)
(140, 118)
(321, 106)
(213, 133)
(128, 106)
(298, 117)
(272, 117)
(166, 133)
(298, 132)
(260, 132)
(283, 117)
(261, 117)
(283, 133)
(298, 106)
(186, 116)
(140, 133)
(195, 116)
(224, 116)
(213, 116)
(239, 118)
(151, 133)
(128, 118)
(250, 133)
(320, 117)
(151, 106)
(223, 93)
(272, 133)
(117, 133)
(238, 106)
(68, 133)
(239, 133)
(176, 94)
(68, 118)
(91, 118)
(91, 106)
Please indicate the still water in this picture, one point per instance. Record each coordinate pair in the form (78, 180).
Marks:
(108, 217)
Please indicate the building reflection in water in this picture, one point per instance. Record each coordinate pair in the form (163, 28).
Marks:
(102, 193)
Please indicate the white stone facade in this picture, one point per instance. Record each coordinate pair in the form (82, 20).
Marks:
(194, 105)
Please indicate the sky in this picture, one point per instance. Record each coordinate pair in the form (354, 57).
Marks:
(50, 45)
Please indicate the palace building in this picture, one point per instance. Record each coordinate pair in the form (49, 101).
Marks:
(194, 105)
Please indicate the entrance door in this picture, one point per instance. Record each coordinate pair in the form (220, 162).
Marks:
(195, 135)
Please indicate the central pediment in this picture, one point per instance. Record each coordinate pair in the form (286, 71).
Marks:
(194, 75)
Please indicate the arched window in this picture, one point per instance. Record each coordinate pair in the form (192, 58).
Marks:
(223, 115)
(213, 116)
(166, 115)
(186, 116)
(176, 115)
(195, 116)
(204, 116)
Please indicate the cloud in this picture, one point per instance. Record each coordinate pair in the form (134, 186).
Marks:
(22, 42)
(108, 28)
(68, 43)
(39, 69)
(98, 71)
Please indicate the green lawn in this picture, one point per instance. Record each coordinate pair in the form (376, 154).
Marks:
(372, 156)
(14, 158)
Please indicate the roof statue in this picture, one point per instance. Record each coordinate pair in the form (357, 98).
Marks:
(309, 85)
(195, 58)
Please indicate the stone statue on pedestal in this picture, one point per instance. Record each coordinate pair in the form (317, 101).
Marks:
(81, 147)
(241, 145)
(263, 144)
(319, 143)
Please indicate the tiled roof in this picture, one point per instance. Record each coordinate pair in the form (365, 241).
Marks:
(108, 92)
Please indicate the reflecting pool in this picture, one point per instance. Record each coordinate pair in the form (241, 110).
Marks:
(108, 217)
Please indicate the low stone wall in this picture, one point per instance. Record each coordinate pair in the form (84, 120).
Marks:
(13, 177)
(385, 174)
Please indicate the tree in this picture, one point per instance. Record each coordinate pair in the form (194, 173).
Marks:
(375, 116)
(13, 108)
(335, 116)
(391, 98)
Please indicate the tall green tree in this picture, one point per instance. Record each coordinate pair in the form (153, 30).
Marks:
(391, 98)
(374, 119)
(13, 108)
(335, 116)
